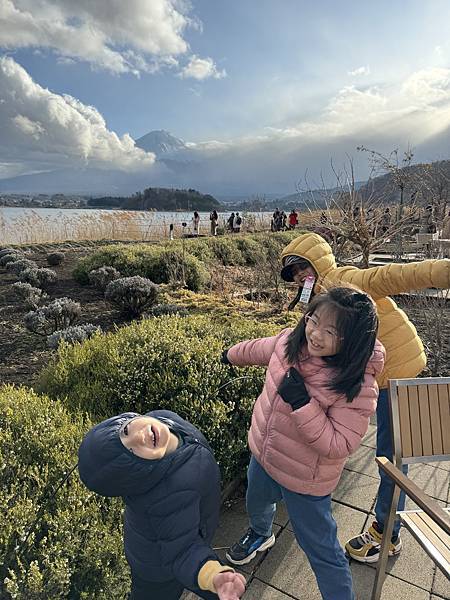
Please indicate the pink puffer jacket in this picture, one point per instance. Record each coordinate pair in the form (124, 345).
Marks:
(305, 450)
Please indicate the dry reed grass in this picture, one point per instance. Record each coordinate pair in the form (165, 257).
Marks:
(36, 227)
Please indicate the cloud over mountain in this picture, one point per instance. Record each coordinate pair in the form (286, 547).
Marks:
(46, 131)
(43, 130)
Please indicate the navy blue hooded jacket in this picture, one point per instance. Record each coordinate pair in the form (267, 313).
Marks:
(172, 504)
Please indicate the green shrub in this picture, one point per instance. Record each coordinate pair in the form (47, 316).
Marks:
(171, 363)
(252, 250)
(161, 264)
(75, 550)
(226, 250)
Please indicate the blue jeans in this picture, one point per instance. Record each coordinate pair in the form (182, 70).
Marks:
(314, 527)
(384, 448)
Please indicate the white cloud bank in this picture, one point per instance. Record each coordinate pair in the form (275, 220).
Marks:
(42, 130)
(133, 36)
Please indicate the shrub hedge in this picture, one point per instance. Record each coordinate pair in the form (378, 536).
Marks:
(75, 550)
(163, 263)
(167, 362)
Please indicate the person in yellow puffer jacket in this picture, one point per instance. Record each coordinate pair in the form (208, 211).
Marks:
(310, 254)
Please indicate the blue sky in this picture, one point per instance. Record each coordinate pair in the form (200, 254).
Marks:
(259, 76)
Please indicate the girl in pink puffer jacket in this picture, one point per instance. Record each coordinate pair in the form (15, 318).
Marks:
(312, 413)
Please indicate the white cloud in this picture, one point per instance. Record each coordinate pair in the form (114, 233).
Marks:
(359, 71)
(134, 36)
(41, 129)
(415, 111)
(201, 68)
(28, 127)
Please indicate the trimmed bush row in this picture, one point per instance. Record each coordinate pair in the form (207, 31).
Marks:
(174, 261)
(167, 362)
(75, 551)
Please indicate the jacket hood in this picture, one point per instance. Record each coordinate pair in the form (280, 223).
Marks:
(109, 469)
(313, 248)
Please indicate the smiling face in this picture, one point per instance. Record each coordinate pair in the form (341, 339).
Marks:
(148, 438)
(301, 271)
(321, 333)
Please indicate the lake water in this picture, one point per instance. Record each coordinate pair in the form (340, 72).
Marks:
(38, 225)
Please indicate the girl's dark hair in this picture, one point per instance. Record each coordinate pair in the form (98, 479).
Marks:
(357, 326)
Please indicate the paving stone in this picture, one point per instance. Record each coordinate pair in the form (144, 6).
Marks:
(443, 464)
(411, 565)
(363, 461)
(189, 596)
(441, 585)
(286, 568)
(258, 590)
(434, 482)
(356, 490)
(393, 588)
(370, 439)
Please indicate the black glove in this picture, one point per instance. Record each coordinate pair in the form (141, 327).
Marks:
(293, 390)
(224, 357)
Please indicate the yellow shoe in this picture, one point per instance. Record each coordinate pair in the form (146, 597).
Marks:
(366, 546)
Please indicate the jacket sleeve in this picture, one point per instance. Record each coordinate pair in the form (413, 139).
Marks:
(253, 352)
(338, 432)
(398, 277)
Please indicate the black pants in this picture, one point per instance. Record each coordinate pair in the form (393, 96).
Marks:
(162, 590)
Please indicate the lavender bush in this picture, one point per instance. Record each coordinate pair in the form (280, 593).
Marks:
(132, 295)
(59, 314)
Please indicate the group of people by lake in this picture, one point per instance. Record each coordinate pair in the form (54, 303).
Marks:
(281, 222)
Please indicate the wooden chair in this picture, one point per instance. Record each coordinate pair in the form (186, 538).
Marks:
(420, 417)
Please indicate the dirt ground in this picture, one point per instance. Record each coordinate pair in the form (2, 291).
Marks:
(24, 354)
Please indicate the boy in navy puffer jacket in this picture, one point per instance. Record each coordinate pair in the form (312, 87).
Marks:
(166, 473)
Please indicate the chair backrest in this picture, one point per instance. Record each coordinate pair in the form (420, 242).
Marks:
(420, 414)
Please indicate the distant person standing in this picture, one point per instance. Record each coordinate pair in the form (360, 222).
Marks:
(230, 222)
(293, 219)
(283, 218)
(276, 218)
(237, 223)
(214, 218)
(196, 223)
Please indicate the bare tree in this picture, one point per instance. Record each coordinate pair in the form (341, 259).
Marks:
(398, 168)
(353, 218)
(436, 188)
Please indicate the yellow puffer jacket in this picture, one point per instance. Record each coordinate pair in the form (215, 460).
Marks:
(405, 356)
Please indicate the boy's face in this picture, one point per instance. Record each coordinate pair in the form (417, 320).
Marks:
(148, 438)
